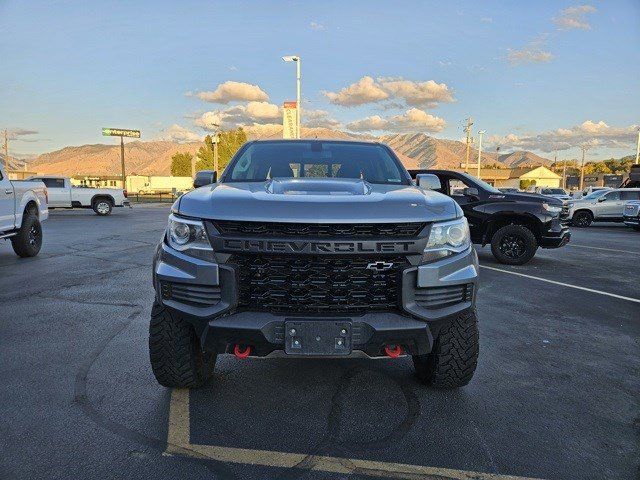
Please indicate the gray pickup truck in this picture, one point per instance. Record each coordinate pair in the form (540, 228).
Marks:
(312, 248)
(23, 205)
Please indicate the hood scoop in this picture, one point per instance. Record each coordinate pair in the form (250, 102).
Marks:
(317, 186)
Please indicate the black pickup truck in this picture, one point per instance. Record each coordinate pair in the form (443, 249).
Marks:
(515, 224)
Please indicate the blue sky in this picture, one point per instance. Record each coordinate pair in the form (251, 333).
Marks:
(535, 75)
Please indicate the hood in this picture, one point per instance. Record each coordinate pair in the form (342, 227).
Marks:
(317, 200)
(531, 197)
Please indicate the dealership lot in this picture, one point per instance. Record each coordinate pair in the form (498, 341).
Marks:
(555, 394)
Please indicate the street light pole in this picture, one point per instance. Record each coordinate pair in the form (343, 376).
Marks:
(296, 59)
(480, 134)
(638, 147)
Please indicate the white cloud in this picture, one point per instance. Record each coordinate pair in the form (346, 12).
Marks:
(316, 26)
(178, 133)
(367, 90)
(587, 133)
(574, 18)
(363, 91)
(18, 133)
(532, 53)
(230, 91)
(253, 113)
(320, 119)
(427, 93)
(413, 120)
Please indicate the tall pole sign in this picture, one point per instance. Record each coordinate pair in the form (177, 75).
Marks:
(290, 120)
(121, 132)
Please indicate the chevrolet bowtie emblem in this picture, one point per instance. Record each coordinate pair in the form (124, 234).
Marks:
(379, 266)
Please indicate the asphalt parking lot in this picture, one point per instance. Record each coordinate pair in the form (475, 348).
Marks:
(556, 394)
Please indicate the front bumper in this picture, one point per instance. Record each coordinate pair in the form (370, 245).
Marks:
(556, 235)
(220, 326)
(631, 221)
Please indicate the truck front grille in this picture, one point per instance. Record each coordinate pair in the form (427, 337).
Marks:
(440, 297)
(320, 284)
(318, 230)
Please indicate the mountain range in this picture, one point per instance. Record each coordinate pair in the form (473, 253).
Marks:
(416, 150)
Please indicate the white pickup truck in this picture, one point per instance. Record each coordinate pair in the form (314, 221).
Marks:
(23, 205)
(62, 194)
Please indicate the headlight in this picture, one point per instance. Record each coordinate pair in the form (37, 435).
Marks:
(552, 209)
(569, 204)
(189, 236)
(447, 238)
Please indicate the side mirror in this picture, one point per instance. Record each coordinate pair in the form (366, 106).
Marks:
(205, 177)
(601, 199)
(471, 192)
(428, 181)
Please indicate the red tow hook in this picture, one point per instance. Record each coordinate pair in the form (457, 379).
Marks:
(242, 352)
(393, 351)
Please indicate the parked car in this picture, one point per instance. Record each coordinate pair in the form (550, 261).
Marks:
(313, 248)
(62, 194)
(509, 190)
(23, 205)
(559, 193)
(600, 206)
(515, 224)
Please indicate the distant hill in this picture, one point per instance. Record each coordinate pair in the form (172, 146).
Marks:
(416, 150)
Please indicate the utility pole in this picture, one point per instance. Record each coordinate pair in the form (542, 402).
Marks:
(480, 134)
(584, 151)
(637, 146)
(216, 139)
(467, 129)
(5, 145)
(124, 175)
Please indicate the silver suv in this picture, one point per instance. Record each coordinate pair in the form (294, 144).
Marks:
(601, 206)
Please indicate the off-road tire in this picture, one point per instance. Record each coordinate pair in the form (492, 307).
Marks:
(102, 206)
(174, 350)
(582, 219)
(520, 234)
(28, 241)
(454, 357)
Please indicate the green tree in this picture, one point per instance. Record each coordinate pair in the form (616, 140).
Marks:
(526, 183)
(228, 144)
(205, 155)
(181, 164)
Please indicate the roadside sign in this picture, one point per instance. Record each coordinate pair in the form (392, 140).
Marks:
(289, 120)
(120, 132)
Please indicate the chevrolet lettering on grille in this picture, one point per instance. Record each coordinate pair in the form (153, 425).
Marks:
(303, 247)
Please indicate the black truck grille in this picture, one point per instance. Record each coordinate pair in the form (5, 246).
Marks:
(285, 230)
(320, 284)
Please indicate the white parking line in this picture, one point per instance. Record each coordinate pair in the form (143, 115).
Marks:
(602, 248)
(591, 290)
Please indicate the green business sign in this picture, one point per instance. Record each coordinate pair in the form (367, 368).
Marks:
(120, 132)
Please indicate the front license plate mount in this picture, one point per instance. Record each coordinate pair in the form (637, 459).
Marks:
(317, 337)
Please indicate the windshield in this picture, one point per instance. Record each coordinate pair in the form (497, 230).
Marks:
(484, 185)
(316, 159)
(595, 194)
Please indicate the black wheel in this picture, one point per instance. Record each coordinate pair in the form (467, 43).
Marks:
(28, 241)
(454, 357)
(174, 350)
(637, 229)
(514, 245)
(102, 206)
(582, 219)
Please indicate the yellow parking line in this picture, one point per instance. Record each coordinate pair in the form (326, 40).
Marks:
(179, 443)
